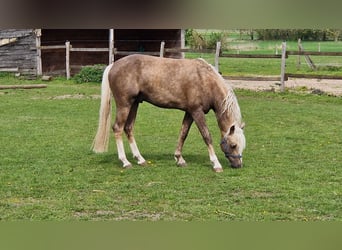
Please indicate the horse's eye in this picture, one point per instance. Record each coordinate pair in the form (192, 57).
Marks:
(233, 145)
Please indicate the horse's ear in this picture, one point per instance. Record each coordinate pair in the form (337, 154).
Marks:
(243, 125)
(231, 130)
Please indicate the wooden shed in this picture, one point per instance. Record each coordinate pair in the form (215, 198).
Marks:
(18, 51)
(50, 51)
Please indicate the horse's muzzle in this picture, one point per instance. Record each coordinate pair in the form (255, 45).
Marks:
(236, 165)
(235, 160)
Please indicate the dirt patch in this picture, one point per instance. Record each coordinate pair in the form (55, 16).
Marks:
(315, 86)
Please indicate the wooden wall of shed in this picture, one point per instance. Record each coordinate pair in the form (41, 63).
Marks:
(21, 53)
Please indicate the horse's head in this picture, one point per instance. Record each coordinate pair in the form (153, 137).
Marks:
(232, 145)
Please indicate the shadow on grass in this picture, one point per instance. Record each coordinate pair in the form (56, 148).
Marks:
(164, 159)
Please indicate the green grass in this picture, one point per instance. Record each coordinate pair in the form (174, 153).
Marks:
(292, 161)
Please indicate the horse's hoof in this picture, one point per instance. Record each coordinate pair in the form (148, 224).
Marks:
(182, 165)
(218, 170)
(128, 166)
(143, 164)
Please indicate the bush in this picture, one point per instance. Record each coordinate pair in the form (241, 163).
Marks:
(90, 74)
(215, 37)
(194, 39)
(197, 40)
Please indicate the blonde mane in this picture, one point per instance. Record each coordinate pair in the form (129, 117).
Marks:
(229, 103)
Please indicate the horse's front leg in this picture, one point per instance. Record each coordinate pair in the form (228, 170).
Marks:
(199, 118)
(187, 121)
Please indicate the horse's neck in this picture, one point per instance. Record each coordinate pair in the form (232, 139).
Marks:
(224, 122)
(227, 110)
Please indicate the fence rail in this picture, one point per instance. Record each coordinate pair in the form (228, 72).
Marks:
(313, 53)
(254, 78)
(127, 53)
(314, 76)
(174, 50)
(250, 56)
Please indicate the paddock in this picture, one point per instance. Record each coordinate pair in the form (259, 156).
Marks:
(291, 163)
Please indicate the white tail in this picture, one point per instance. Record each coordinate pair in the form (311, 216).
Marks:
(101, 140)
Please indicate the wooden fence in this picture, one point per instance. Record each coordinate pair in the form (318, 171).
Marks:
(68, 49)
(283, 77)
(217, 54)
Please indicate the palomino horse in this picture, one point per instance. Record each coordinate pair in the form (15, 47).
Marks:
(191, 85)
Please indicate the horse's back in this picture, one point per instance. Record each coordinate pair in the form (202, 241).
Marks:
(156, 70)
(164, 82)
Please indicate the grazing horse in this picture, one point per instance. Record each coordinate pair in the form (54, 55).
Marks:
(191, 85)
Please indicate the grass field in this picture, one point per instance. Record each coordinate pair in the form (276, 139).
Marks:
(292, 161)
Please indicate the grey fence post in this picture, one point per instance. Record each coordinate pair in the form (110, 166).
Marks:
(217, 55)
(283, 66)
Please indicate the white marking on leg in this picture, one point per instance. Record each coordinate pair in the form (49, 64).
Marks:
(121, 153)
(214, 161)
(136, 153)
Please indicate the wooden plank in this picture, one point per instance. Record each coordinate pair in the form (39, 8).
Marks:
(89, 49)
(44, 47)
(313, 76)
(46, 78)
(9, 69)
(250, 56)
(6, 41)
(27, 86)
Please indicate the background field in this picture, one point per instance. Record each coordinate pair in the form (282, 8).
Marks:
(47, 172)
(236, 43)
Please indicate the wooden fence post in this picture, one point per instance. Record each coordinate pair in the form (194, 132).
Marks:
(39, 52)
(299, 49)
(162, 49)
(183, 42)
(111, 46)
(67, 59)
(283, 66)
(217, 55)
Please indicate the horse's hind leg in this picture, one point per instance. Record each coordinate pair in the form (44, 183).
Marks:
(129, 132)
(118, 127)
(187, 121)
